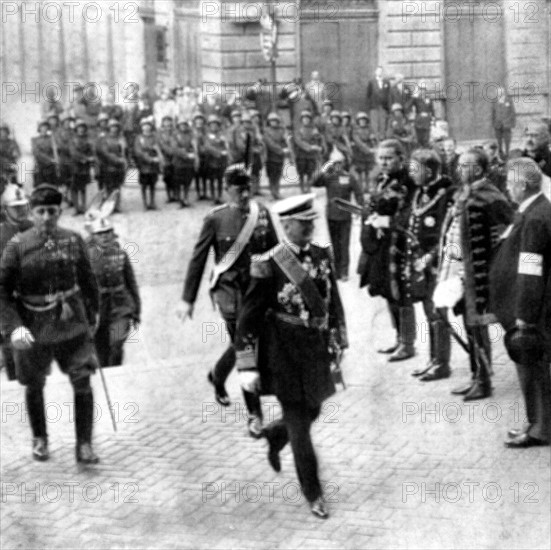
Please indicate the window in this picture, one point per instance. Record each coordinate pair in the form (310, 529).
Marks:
(161, 45)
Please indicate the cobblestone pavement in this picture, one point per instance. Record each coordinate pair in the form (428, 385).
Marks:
(404, 465)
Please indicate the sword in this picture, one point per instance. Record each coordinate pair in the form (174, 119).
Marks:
(104, 382)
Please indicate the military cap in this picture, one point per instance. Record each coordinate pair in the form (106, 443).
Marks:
(14, 195)
(114, 122)
(103, 116)
(397, 107)
(273, 116)
(524, 346)
(182, 122)
(43, 123)
(99, 225)
(45, 195)
(80, 122)
(212, 119)
(235, 113)
(306, 113)
(299, 207)
(198, 115)
(236, 174)
(335, 114)
(362, 116)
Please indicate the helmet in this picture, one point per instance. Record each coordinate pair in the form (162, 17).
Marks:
(306, 113)
(99, 225)
(52, 115)
(198, 115)
(213, 118)
(273, 116)
(81, 122)
(335, 114)
(113, 122)
(147, 120)
(43, 123)
(246, 117)
(345, 114)
(235, 113)
(102, 117)
(236, 174)
(328, 102)
(66, 116)
(167, 117)
(362, 116)
(14, 195)
(254, 112)
(397, 107)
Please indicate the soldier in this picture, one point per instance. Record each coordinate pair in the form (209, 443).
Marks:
(424, 115)
(339, 184)
(294, 309)
(199, 134)
(15, 207)
(430, 204)
(347, 125)
(9, 155)
(324, 117)
(165, 138)
(383, 244)
(503, 120)
(216, 157)
(335, 137)
(112, 156)
(258, 151)
(234, 125)
(46, 161)
(64, 140)
(378, 102)
(308, 150)
(469, 236)
(120, 305)
(363, 149)
(497, 170)
(186, 161)
(235, 231)
(276, 151)
(237, 138)
(84, 159)
(399, 128)
(49, 306)
(149, 159)
(103, 122)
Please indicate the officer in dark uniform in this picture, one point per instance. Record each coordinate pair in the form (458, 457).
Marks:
(166, 142)
(9, 155)
(430, 204)
(149, 159)
(199, 133)
(339, 184)
(293, 310)
(64, 140)
(112, 156)
(15, 207)
(399, 128)
(363, 149)
(223, 229)
(46, 161)
(383, 244)
(186, 161)
(84, 159)
(120, 305)
(49, 303)
(276, 151)
(308, 150)
(216, 151)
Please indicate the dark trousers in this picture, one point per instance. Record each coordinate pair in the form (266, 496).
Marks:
(225, 365)
(403, 321)
(379, 121)
(503, 136)
(535, 384)
(306, 168)
(294, 427)
(481, 347)
(168, 177)
(182, 182)
(148, 182)
(274, 171)
(423, 136)
(339, 232)
(109, 340)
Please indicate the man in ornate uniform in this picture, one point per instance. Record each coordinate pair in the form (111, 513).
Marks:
(120, 304)
(308, 150)
(469, 235)
(49, 303)
(431, 201)
(383, 246)
(235, 231)
(290, 312)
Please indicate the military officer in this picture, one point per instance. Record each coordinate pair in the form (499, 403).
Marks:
(235, 231)
(283, 335)
(102, 131)
(399, 128)
(112, 155)
(340, 183)
(15, 207)
(520, 287)
(363, 149)
(46, 161)
(216, 151)
(9, 155)
(186, 161)
(308, 149)
(149, 159)
(165, 137)
(83, 154)
(276, 151)
(49, 305)
(430, 204)
(120, 305)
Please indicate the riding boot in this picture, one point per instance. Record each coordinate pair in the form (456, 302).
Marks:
(144, 197)
(84, 417)
(440, 367)
(407, 331)
(34, 398)
(152, 205)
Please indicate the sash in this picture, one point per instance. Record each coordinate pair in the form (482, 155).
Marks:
(236, 249)
(293, 270)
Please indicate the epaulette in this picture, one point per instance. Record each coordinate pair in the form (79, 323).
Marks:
(261, 267)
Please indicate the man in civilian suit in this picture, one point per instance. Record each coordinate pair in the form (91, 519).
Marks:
(378, 102)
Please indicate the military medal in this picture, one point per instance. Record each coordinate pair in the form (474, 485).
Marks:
(430, 221)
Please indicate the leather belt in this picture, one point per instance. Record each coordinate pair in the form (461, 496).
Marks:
(320, 323)
(37, 302)
(111, 289)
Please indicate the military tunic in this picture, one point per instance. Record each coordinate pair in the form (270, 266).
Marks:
(9, 155)
(83, 154)
(46, 168)
(308, 149)
(112, 157)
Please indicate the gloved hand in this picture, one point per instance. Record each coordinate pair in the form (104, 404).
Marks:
(22, 338)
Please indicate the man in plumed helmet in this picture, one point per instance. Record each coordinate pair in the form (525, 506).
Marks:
(520, 293)
(235, 230)
(49, 303)
(291, 311)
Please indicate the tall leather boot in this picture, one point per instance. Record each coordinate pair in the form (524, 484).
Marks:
(34, 398)
(152, 205)
(442, 350)
(144, 197)
(424, 369)
(407, 330)
(84, 416)
(254, 408)
(482, 383)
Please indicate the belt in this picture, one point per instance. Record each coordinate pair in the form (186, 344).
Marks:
(36, 302)
(111, 289)
(321, 323)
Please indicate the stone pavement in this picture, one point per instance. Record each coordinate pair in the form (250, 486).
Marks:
(404, 464)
